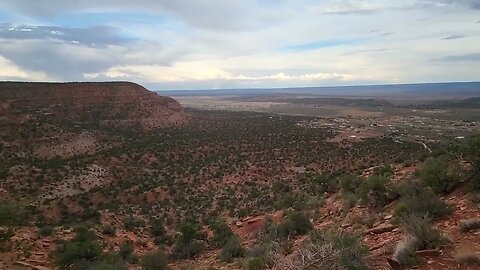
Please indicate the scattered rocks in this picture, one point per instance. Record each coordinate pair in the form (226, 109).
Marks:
(381, 229)
(428, 252)
(31, 266)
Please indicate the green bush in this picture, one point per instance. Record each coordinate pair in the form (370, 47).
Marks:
(470, 151)
(46, 230)
(80, 252)
(323, 183)
(126, 249)
(187, 243)
(5, 235)
(131, 223)
(420, 229)
(420, 235)
(221, 233)
(385, 170)
(11, 214)
(349, 183)
(256, 263)
(442, 174)
(158, 230)
(373, 191)
(232, 249)
(154, 261)
(108, 229)
(405, 252)
(296, 223)
(419, 200)
(349, 200)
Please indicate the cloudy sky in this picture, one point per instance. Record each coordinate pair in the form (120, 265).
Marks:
(207, 44)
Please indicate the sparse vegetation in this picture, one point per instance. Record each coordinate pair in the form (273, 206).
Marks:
(222, 166)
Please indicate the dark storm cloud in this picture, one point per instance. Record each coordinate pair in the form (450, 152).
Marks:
(93, 36)
(454, 37)
(471, 57)
(209, 14)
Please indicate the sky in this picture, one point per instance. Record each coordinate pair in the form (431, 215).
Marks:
(212, 44)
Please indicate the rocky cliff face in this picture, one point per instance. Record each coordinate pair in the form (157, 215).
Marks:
(111, 103)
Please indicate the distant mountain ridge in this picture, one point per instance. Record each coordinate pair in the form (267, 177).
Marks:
(457, 90)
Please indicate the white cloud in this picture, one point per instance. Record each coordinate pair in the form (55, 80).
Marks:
(9, 71)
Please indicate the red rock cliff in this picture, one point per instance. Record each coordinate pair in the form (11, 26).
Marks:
(117, 103)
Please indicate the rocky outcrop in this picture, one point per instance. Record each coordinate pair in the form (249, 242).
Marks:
(111, 103)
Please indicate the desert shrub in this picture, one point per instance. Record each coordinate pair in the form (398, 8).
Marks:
(158, 230)
(470, 151)
(322, 183)
(79, 253)
(405, 252)
(221, 232)
(108, 229)
(187, 243)
(110, 262)
(231, 250)
(188, 250)
(326, 250)
(90, 214)
(419, 200)
(419, 235)
(131, 223)
(154, 261)
(442, 174)
(349, 183)
(296, 223)
(469, 224)
(349, 200)
(11, 214)
(46, 230)
(259, 255)
(373, 190)
(126, 249)
(385, 170)
(313, 202)
(5, 235)
(420, 229)
(256, 263)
